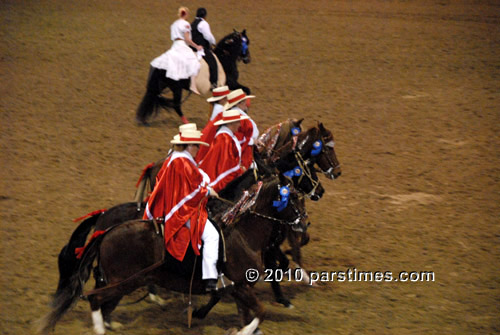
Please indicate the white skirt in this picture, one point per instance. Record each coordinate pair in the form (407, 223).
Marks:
(179, 61)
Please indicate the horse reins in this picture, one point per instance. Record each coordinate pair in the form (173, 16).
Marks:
(270, 218)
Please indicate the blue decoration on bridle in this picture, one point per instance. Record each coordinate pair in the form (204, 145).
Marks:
(244, 46)
(295, 172)
(295, 131)
(317, 146)
(283, 202)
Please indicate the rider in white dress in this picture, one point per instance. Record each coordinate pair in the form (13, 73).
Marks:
(180, 62)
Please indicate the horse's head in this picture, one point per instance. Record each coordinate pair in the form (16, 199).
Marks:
(317, 146)
(327, 160)
(245, 43)
(300, 171)
(235, 46)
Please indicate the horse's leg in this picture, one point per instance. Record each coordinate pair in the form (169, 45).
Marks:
(271, 257)
(155, 297)
(246, 300)
(177, 91)
(106, 310)
(97, 317)
(201, 313)
(296, 241)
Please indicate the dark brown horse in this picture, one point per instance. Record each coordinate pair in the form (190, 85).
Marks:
(315, 146)
(132, 254)
(284, 146)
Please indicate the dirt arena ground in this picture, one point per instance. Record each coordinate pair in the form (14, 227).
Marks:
(410, 90)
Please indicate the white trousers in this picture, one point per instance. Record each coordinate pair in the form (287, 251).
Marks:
(210, 238)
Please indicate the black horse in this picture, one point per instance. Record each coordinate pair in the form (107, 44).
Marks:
(229, 51)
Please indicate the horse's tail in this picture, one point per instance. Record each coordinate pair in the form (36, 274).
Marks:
(67, 260)
(152, 100)
(148, 106)
(143, 182)
(67, 295)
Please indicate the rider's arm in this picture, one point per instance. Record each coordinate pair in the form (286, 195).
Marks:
(190, 42)
(204, 29)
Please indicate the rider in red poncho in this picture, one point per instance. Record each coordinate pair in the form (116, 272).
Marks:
(179, 198)
(222, 162)
(247, 133)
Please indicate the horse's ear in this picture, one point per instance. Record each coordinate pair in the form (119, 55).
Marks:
(320, 125)
(244, 32)
(284, 181)
(299, 122)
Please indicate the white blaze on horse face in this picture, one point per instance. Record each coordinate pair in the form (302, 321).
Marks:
(98, 322)
(330, 144)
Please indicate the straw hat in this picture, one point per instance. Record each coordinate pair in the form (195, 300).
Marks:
(183, 127)
(188, 136)
(231, 116)
(219, 93)
(235, 97)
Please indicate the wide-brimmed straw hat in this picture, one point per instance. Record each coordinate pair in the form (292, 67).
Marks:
(219, 93)
(188, 136)
(229, 116)
(235, 97)
(184, 127)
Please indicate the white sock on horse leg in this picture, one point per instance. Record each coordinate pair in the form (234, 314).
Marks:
(98, 321)
(250, 328)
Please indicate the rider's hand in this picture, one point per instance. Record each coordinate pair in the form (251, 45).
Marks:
(199, 47)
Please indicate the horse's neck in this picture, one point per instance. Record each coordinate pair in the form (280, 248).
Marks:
(255, 225)
(251, 232)
(284, 136)
(227, 60)
(235, 188)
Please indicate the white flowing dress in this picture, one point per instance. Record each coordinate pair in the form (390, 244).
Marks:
(179, 61)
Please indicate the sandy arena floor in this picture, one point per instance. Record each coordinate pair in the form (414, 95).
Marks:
(410, 90)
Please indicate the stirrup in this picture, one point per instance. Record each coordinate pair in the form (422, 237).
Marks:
(223, 283)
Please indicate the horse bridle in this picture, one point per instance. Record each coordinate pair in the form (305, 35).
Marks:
(333, 166)
(304, 165)
(295, 224)
(327, 143)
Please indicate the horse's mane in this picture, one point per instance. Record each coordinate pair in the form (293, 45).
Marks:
(229, 45)
(235, 187)
(304, 142)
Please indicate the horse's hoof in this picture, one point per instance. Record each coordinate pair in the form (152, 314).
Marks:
(113, 325)
(285, 302)
(156, 299)
(142, 123)
(231, 331)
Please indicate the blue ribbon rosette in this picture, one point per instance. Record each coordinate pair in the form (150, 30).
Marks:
(317, 146)
(295, 131)
(295, 172)
(283, 202)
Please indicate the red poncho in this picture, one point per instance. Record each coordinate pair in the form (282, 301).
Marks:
(180, 195)
(222, 162)
(244, 135)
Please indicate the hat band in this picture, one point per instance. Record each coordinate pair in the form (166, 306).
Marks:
(219, 94)
(230, 118)
(182, 138)
(237, 98)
